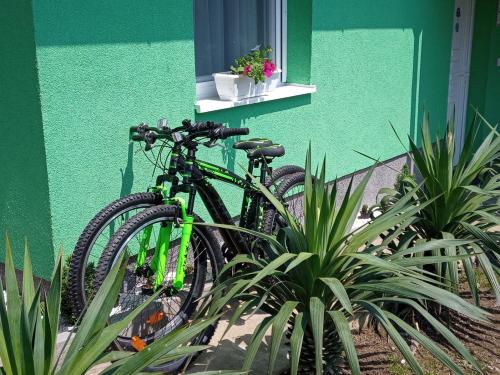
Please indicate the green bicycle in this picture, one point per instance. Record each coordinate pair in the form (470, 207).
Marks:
(167, 250)
(104, 224)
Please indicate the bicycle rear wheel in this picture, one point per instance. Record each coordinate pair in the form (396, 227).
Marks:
(172, 308)
(290, 192)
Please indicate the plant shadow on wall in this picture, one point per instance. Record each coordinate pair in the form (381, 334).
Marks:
(240, 117)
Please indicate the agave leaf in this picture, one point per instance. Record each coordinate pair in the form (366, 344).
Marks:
(488, 270)
(240, 310)
(483, 236)
(53, 308)
(317, 313)
(39, 346)
(166, 344)
(439, 327)
(97, 314)
(28, 285)
(429, 245)
(339, 291)
(277, 332)
(301, 257)
(434, 349)
(381, 316)
(34, 310)
(7, 354)
(84, 359)
(345, 336)
(296, 340)
(471, 276)
(13, 310)
(270, 268)
(28, 367)
(257, 337)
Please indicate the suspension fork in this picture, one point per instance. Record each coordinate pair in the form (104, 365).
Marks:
(157, 266)
(159, 260)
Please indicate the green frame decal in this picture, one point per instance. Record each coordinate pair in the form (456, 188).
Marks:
(222, 174)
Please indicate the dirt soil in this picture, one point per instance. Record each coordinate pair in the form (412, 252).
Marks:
(378, 355)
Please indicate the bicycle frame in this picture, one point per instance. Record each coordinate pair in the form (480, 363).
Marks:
(203, 172)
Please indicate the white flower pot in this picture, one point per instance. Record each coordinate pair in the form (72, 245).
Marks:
(237, 87)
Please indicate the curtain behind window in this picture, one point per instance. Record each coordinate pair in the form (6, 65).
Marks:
(226, 29)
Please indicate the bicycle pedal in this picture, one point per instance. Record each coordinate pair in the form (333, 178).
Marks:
(137, 343)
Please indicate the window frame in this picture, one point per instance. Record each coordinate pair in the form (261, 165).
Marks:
(206, 89)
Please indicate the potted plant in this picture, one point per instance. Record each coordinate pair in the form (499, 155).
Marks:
(251, 75)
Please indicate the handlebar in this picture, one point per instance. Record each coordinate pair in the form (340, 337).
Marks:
(208, 129)
(223, 132)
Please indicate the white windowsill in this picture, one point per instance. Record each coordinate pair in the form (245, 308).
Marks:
(286, 90)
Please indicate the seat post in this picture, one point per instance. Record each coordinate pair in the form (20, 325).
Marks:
(264, 169)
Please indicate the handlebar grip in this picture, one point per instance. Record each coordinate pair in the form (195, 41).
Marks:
(231, 132)
(137, 137)
(141, 128)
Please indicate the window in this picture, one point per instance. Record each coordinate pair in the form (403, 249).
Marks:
(227, 29)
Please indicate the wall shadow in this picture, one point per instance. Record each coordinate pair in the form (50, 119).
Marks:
(431, 50)
(24, 191)
(128, 173)
(240, 117)
(116, 21)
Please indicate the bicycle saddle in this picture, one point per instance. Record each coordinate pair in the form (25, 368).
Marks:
(273, 151)
(252, 143)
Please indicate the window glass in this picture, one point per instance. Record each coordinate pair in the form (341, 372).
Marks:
(227, 29)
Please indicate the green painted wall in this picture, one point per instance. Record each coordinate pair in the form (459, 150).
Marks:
(106, 66)
(24, 194)
(484, 87)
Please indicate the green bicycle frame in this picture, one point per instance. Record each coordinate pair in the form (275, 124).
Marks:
(158, 262)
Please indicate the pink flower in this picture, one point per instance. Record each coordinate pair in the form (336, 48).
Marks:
(268, 68)
(246, 70)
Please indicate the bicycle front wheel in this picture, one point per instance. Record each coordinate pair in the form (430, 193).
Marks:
(173, 307)
(94, 239)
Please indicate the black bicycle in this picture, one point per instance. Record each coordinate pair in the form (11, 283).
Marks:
(288, 181)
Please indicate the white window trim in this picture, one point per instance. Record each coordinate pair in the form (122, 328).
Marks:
(286, 90)
(207, 99)
(207, 90)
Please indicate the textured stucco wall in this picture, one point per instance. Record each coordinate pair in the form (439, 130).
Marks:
(24, 194)
(106, 66)
(484, 87)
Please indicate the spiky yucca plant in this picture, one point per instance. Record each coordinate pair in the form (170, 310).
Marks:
(459, 199)
(321, 275)
(29, 323)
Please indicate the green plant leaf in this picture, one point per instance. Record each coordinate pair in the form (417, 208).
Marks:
(257, 337)
(434, 349)
(398, 340)
(339, 291)
(296, 340)
(277, 332)
(345, 336)
(317, 313)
